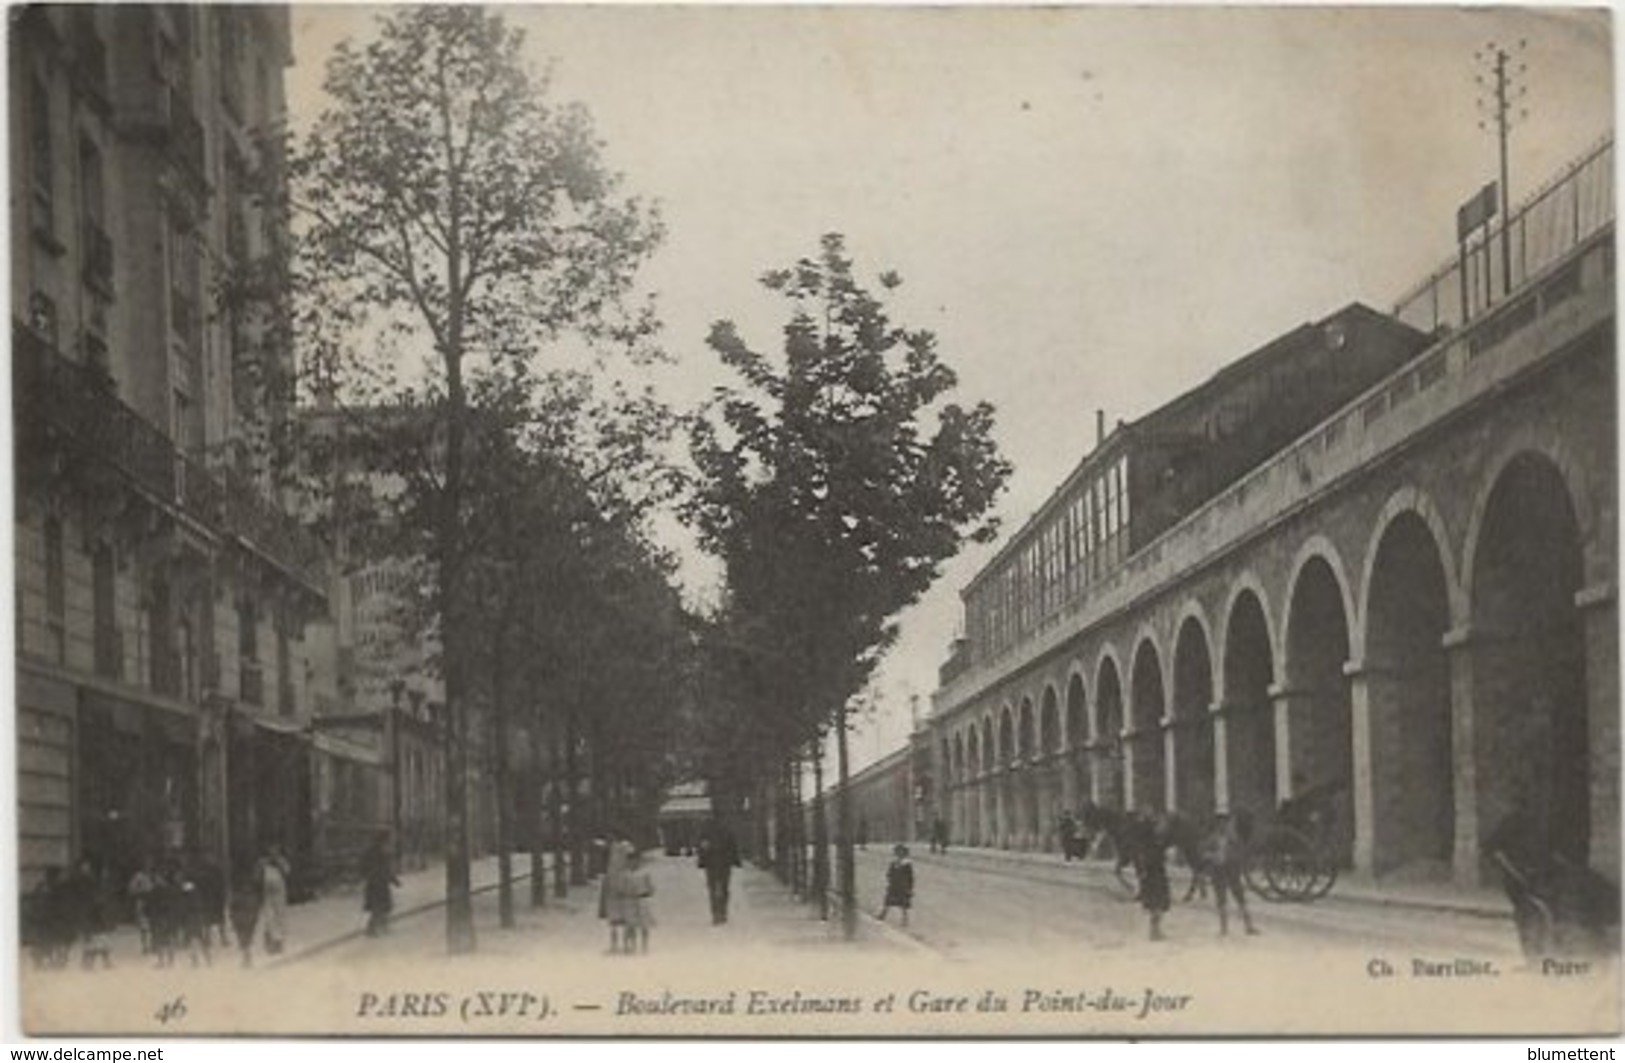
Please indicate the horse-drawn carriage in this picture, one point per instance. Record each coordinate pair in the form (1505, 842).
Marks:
(1291, 858)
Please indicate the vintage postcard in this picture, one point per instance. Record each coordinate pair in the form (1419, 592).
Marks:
(1071, 521)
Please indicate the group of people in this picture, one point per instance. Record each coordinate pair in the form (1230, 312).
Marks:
(623, 898)
(1217, 855)
(179, 904)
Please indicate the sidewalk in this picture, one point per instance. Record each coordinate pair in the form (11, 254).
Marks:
(1351, 888)
(763, 918)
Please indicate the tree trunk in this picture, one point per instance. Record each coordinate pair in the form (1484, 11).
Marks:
(820, 833)
(843, 833)
(560, 886)
(499, 776)
(576, 832)
(781, 835)
(538, 836)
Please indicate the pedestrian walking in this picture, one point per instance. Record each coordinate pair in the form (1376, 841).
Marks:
(164, 912)
(195, 928)
(97, 929)
(899, 884)
(637, 886)
(1225, 854)
(1152, 872)
(718, 856)
(612, 892)
(139, 889)
(211, 886)
(273, 875)
(379, 882)
(243, 909)
(939, 835)
(45, 921)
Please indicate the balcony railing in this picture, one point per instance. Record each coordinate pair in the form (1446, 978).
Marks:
(74, 404)
(250, 515)
(165, 117)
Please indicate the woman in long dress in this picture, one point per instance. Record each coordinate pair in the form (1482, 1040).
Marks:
(637, 886)
(274, 900)
(612, 893)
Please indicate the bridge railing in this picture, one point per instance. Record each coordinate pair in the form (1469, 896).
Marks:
(1561, 215)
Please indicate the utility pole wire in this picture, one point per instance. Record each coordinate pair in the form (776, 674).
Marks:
(1507, 88)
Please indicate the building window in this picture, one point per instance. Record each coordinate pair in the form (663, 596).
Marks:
(248, 653)
(287, 698)
(41, 177)
(182, 266)
(186, 661)
(103, 602)
(97, 246)
(1122, 492)
(56, 596)
(160, 636)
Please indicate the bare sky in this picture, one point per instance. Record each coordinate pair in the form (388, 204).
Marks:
(1092, 207)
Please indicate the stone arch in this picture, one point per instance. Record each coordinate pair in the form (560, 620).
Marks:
(1148, 705)
(1191, 735)
(1247, 582)
(1075, 724)
(1108, 730)
(1077, 738)
(1314, 701)
(1403, 679)
(1523, 442)
(1107, 655)
(1049, 722)
(1317, 548)
(1417, 503)
(1247, 672)
(1026, 732)
(1532, 721)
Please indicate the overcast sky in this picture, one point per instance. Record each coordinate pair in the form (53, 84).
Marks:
(1091, 207)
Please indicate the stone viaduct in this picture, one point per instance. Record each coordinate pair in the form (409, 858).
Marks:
(1413, 605)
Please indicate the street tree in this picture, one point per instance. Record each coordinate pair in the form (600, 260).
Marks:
(451, 223)
(833, 483)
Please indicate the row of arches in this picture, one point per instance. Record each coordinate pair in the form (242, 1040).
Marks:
(1429, 708)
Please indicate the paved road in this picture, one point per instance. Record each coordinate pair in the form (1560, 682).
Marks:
(973, 909)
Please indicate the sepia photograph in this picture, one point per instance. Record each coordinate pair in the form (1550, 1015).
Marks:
(814, 521)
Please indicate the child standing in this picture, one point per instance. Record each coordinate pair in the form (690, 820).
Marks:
(899, 884)
(637, 886)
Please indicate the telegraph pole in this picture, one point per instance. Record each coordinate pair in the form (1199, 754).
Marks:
(1502, 90)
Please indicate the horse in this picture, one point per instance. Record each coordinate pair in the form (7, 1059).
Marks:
(1133, 834)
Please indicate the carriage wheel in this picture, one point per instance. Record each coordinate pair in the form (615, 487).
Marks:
(1328, 871)
(1258, 881)
(1291, 865)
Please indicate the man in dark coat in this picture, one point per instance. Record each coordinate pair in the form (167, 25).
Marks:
(718, 856)
(378, 882)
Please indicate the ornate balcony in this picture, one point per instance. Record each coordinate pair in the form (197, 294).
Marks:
(63, 408)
